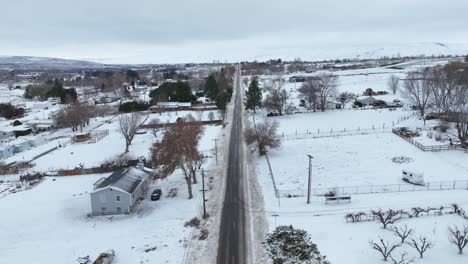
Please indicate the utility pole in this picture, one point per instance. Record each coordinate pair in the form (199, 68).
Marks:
(309, 178)
(203, 189)
(216, 149)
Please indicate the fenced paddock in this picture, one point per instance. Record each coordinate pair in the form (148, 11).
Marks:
(428, 148)
(337, 133)
(386, 188)
(95, 136)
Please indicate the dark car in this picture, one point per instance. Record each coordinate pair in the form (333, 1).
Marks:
(156, 194)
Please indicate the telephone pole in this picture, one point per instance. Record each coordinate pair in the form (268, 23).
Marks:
(216, 149)
(203, 189)
(309, 178)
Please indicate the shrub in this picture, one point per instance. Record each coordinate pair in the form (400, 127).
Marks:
(10, 111)
(194, 222)
(133, 107)
(17, 123)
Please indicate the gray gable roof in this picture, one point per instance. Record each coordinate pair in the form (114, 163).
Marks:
(126, 179)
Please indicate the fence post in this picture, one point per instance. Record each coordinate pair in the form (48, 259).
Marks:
(454, 185)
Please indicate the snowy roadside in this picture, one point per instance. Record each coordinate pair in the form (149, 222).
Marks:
(205, 251)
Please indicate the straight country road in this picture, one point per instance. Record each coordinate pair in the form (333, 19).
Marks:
(232, 239)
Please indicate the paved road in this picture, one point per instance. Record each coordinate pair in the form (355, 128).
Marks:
(232, 239)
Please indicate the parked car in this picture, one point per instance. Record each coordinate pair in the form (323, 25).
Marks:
(105, 258)
(156, 195)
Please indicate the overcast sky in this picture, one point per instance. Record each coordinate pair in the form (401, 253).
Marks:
(144, 31)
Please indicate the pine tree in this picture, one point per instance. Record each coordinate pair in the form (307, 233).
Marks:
(221, 102)
(253, 96)
(287, 245)
(211, 88)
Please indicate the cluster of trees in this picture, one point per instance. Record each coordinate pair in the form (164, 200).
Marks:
(442, 89)
(218, 88)
(75, 115)
(10, 111)
(288, 245)
(178, 149)
(457, 236)
(173, 92)
(51, 88)
(318, 91)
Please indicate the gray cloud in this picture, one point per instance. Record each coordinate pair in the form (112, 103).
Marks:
(44, 26)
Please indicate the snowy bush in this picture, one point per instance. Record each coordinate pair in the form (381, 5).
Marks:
(402, 159)
(287, 245)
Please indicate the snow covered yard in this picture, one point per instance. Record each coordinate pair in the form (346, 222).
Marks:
(53, 226)
(91, 155)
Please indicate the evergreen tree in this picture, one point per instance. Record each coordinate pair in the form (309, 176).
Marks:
(253, 96)
(211, 88)
(287, 245)
(221, 102)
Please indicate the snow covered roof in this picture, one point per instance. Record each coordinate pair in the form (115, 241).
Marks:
(126, 180)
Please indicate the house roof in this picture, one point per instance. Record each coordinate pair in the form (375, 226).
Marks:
(126, 179)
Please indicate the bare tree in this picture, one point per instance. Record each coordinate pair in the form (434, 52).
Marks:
(327, 84)
(384, 248)
(277, 100)
(309, 91)
(344, 98)
(402, 232)
(402, 260)
(128, 126)
(264, 135)
(179, 149)
(458, 237)
(386, 217)
(443, 85)
(417, 89)
(422, 244)
(76, 115)
(393, 83)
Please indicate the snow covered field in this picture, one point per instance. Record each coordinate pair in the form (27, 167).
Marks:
(359, 160)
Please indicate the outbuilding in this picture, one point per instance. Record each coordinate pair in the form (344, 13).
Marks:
(120, 192)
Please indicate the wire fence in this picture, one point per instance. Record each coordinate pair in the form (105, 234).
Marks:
(324, 133)
(386, 188)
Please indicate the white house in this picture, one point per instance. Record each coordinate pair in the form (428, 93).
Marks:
(120, 192)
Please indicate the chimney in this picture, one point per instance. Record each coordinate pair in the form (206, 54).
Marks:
(140, 165)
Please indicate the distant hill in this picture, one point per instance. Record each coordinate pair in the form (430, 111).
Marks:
(44, 63)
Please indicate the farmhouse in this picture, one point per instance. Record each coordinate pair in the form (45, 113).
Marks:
(120, 192)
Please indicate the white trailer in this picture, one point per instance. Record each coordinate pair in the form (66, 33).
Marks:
(413, 177)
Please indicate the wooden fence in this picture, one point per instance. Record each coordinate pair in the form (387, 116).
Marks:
(428, 148)
(209, 122)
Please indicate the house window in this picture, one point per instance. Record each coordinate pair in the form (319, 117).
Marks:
(104, 209)
(102, 197)
(119, 209)
(117, 198)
